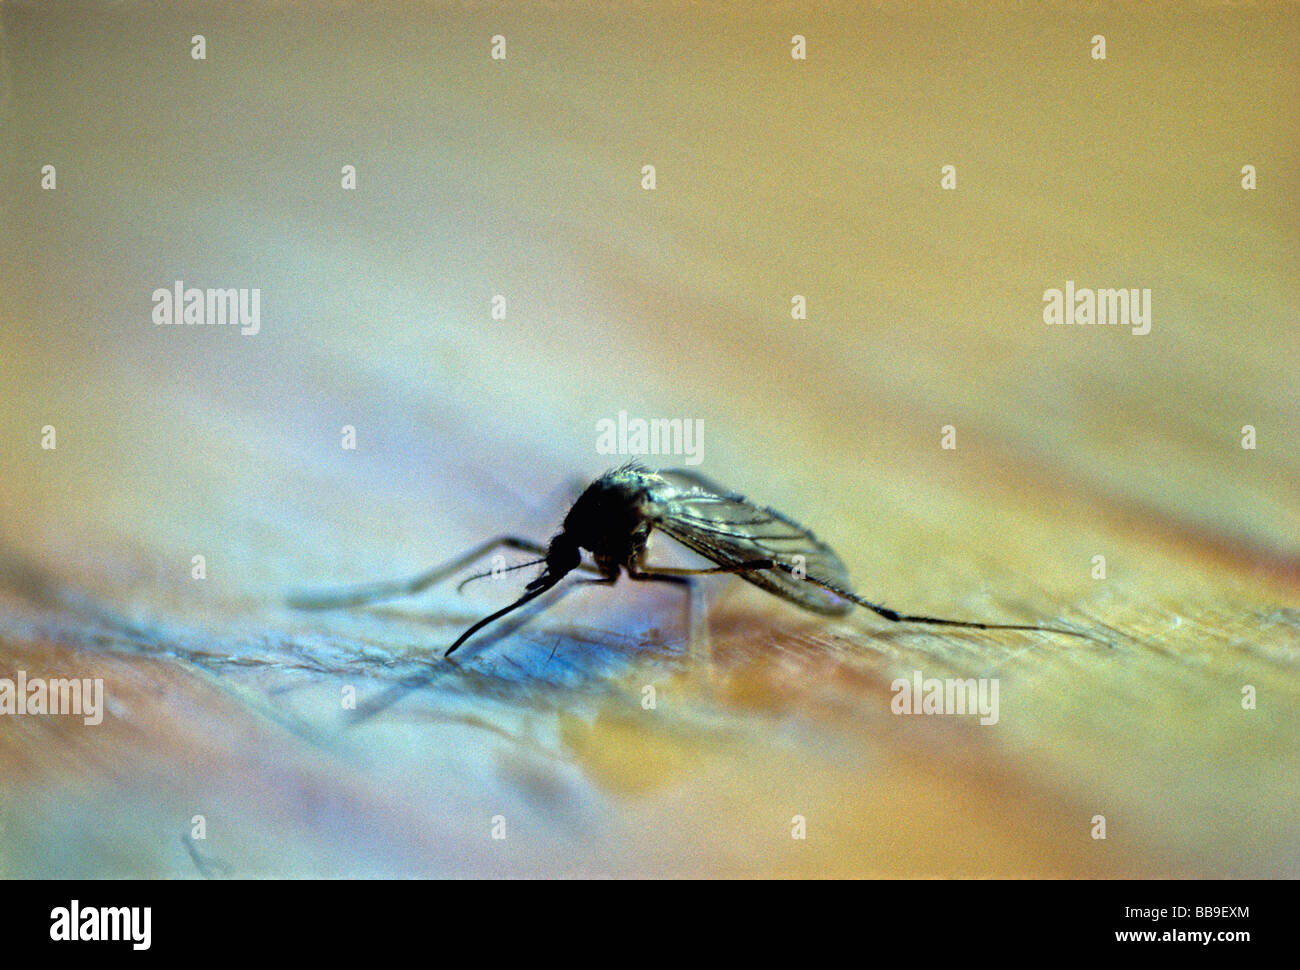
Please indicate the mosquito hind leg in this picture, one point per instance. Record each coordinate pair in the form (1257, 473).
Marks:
(897, 617)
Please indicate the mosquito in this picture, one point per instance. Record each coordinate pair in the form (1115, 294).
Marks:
(612, 520)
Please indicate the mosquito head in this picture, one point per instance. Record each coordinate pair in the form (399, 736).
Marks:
(562, 557)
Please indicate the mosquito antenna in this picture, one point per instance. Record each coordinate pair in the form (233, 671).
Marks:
(897, 617)
(493, 572)
(535, 589)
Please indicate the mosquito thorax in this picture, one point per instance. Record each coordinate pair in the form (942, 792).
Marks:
(609, 519)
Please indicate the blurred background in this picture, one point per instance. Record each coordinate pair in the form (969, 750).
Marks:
(775, 177)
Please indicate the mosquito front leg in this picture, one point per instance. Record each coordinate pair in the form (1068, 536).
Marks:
(371, 592)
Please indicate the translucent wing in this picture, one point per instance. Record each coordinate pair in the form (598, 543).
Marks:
(729, 529)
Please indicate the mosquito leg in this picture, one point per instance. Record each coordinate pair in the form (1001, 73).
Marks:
(701, 643)
(699, 613)
(697, 608)
(668, 573)
(370, 592)
(886, 612)
(897, 617)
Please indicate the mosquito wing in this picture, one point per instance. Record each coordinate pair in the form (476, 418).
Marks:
(729, 529)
